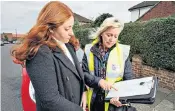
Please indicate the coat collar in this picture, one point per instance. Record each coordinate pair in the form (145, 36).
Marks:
(65, 60)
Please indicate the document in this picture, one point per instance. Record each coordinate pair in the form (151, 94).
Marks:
(132, 87)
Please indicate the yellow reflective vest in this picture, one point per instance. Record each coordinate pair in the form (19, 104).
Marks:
(115, 66)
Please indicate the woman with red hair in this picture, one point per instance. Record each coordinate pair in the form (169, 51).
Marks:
(51, 61)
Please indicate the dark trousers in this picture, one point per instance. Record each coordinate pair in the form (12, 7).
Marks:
(99, 103)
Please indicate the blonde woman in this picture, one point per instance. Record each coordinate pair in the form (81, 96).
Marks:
(107, 59)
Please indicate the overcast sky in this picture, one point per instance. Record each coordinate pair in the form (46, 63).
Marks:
(22, 15)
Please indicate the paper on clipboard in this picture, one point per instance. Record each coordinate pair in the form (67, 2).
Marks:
(132, 87)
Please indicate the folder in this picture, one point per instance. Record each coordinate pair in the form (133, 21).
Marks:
(141, 90)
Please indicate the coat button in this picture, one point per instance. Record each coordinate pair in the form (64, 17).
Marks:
(67, 78)
(72, 96)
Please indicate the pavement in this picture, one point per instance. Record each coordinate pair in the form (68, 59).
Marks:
(165, 101)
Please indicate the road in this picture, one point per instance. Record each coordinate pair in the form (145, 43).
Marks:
(10, 82)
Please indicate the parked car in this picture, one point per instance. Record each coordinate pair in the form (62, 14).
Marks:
(6, 42)
(2, 43)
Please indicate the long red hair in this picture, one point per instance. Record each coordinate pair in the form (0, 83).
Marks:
(52, 15)
(75, 42)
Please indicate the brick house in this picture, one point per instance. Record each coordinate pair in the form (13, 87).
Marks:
(11, 36)
(18, 36)
(152, 9)
(8, 35)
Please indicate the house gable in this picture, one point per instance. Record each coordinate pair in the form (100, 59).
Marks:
(161, 9)
(143, 5)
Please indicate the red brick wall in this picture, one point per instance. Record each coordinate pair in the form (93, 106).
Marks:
(166, 78)
(163, 9)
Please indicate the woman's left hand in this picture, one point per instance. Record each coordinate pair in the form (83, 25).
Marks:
(83, 102)
(115, 101)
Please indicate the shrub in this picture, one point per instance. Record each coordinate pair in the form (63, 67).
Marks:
(153, 40)
(81, 33)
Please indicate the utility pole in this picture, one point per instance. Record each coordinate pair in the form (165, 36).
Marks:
(16, 32)
(16, 35)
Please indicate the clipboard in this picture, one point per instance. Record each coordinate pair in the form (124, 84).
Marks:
(147, 98)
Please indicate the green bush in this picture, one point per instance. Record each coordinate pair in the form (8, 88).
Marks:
(131, 36)
(82, 33)
(153, 40)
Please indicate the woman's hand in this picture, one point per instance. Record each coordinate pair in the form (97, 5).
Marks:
(83, 102)
(16, 61)
(106, 85)
(115, 101)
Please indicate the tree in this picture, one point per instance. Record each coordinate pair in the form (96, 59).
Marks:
(5, 38)
(99, 20)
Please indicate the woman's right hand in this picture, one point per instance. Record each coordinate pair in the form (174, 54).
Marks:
(115, 101)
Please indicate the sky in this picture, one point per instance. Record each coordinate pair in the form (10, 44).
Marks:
(20, 16)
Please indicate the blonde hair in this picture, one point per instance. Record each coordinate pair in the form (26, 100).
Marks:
(107, 23)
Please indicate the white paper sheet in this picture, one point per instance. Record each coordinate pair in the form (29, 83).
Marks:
(132, 87)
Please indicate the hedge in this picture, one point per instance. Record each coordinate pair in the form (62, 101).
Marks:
(153, 40)
(82, 33)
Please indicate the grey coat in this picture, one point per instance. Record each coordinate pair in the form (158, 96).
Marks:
(57, 82)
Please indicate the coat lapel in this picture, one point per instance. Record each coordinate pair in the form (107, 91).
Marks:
(65, 60)
(76, 62)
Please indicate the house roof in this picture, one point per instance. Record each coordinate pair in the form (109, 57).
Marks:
(143, 4)
(81, 18)
(152, 8)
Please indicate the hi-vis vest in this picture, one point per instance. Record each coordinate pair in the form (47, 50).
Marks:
(115, 66)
